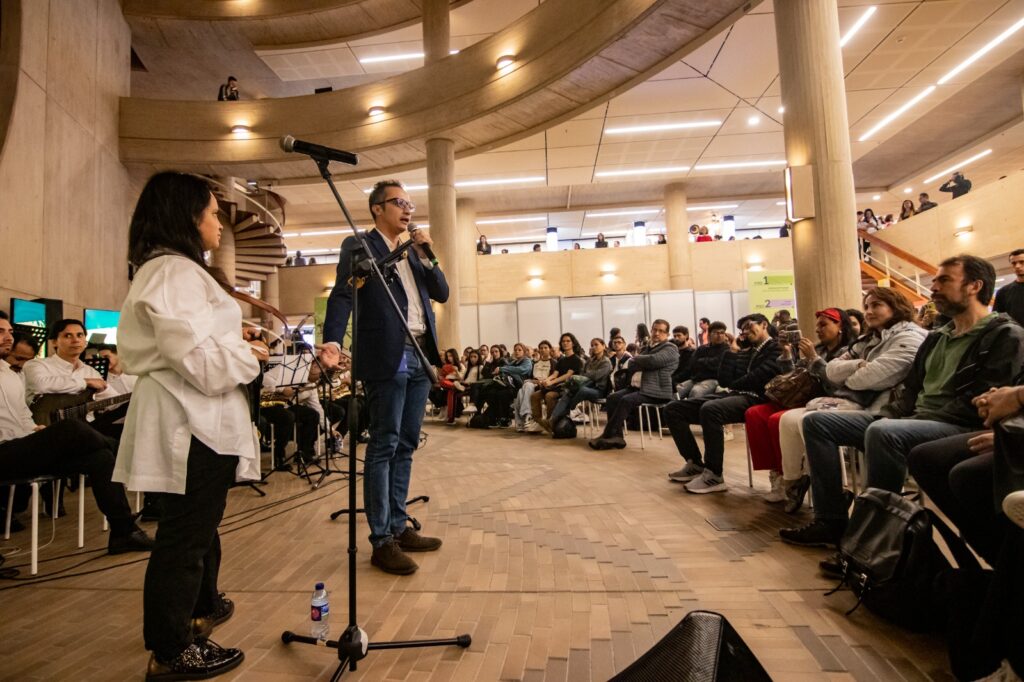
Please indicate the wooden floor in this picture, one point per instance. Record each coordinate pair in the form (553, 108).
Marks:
(562, 563)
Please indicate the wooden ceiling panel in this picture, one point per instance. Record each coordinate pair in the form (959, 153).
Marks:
(704, 56)
(662, 97)
(738, 122)
(734, 68)
(505, 162)
(678, 70)
(771, 144)
(570, 157)
(575, 133)
(565, 177)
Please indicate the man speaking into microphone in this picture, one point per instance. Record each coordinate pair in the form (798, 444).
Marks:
(395, 382)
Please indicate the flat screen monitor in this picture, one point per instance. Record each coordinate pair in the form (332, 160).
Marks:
(30, 313)
(102, 322)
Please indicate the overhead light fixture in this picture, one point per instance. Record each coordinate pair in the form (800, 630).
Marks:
(896, 114)
(240, 129)
(642, 171)
(610, 214)
(908, 190)
(288, 235)
(768, 223)
(962, 230)
(502, 221)
(375, 110)
(397, 57)
(780, 203)
(654, 127)
(322, 233)
(755, 266)
(505, 61)
(983, 51)
(857, 25)
(958, 166)
(713, 207)
(738, 164)
(782, 110)
(753, 120)
(876, 197)
(500, 181)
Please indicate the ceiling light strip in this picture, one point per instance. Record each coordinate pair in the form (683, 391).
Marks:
(654, 127)
(739, 164)
(896, 114)
(983, 51)
(958, 166)
(397, 57)
(642, 171)
(857, 26)
(610, 214)
(714, 207)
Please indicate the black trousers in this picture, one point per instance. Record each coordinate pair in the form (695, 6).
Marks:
(712, 414)
(499, 397)
(67, 449)
(959, 482)
(181, 579)
(620, 405)
(283, 422)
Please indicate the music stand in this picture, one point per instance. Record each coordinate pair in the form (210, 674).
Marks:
(37, 333)
(100, 364)
(354, 644)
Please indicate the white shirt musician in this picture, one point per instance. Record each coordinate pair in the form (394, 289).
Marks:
(64, 372)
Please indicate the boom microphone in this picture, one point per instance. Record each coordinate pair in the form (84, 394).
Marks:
(426, 247)
(290, 144)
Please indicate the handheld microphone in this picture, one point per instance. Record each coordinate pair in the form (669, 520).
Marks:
(290, 144)
(426, 247)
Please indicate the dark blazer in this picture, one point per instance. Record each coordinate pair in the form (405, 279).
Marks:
(381, 340)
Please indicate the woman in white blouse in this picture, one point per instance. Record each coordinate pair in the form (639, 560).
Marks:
(189, 433)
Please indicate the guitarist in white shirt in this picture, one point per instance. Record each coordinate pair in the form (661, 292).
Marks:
(64, 372)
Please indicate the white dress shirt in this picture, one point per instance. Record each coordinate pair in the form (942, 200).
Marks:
(180, 333)
(416, 318)
(54, 374)
(15, 417)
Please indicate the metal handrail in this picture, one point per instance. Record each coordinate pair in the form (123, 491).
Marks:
(277, 223)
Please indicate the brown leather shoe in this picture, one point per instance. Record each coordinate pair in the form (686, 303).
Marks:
(411, 541)
(390, 559)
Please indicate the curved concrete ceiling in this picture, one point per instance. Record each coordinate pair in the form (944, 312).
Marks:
(571, 55)
(273, 23)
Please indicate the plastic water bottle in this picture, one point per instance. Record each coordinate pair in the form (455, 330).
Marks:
(319, 613)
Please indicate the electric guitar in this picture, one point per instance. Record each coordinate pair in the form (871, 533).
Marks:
(57, 407)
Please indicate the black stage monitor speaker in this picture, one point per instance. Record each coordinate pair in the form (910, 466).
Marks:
(702, 648)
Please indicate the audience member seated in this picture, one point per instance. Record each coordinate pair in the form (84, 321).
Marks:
(303, 417)
(619, 359)
(67, 448)
(445, 392)
(591, 384)
(547, 391)
(703, 332)
(700, 378)
(651, 382)
(686, 346)
(643, 337)
(907, 210)
(1010, 298)
(522, 406)
(741, 379)
(25, 348)
(924, 203)
(832, 327)
(110, 422)
(977, 351)
(63, 372)
(857, 325)
(957, 185)
(493, 363)
(496, 395)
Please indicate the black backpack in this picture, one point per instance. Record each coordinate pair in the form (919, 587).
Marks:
(563, 428)
(891, 561)
(479, 420)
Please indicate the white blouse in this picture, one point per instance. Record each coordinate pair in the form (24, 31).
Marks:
(180, 333)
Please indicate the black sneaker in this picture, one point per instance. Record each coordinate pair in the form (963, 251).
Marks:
(199, 661)
(832, 566)
(136, 541)
(818, 533)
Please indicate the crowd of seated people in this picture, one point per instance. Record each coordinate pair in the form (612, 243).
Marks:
(943, 404)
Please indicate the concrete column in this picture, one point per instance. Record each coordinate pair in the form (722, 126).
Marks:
(441, 197)
(680, 268)
(224, 257)
(466, 235)
(441, 182)
(271, 291)
(817, 133)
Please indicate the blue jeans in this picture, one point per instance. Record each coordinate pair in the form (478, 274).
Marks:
(395, 408)
(567, 402)
(886, 444)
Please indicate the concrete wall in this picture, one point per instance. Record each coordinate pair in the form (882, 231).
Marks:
(63, 191)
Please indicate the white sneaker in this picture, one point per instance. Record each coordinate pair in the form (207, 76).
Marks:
(1013, 507)
(727, 434)
(689, 472)
(469, 409)
(532, 426)
(778, 491)
(708, 482)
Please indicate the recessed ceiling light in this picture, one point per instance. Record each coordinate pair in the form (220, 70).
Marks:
(908, 190)
(857, 25)
(753, 120)
(958, 166)
(375, 110)
(240, 128)
(876, 197)
(391, 58)
(714, 207)
(899, 112)
(662, 126)
(505, 60)
(499, 181)
(983, 51)
(738, 164)
(609, 214)
(782, 110)
(642, 171)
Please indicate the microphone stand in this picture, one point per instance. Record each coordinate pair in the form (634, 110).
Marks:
(354, 643)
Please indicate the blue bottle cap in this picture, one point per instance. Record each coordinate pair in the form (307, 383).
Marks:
(319, 586)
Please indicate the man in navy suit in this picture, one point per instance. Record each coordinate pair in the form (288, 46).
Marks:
(395, 381)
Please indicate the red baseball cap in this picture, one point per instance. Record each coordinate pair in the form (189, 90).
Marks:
(830, 313)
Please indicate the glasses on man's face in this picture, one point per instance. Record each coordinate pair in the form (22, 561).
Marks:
(401, 203)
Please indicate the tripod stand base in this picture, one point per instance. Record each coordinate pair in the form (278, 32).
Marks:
(353, 647)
